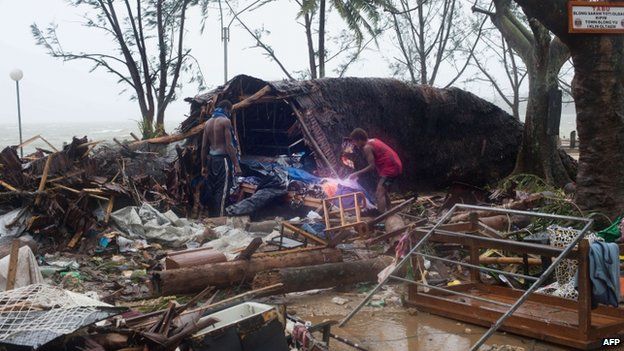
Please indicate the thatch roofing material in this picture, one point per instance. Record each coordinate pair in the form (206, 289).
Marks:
(442, 135)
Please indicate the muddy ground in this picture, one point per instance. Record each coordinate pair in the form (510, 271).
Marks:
(396, 328)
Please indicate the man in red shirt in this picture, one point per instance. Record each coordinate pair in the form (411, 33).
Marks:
(382, 158)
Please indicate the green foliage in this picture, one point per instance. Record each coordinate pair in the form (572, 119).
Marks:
(146, 129)
(555, 201)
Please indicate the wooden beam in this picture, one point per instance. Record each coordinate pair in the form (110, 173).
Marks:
(109, 209)
(8, 186)
(312, 141)
(167, 139)
(44, 178)
(13, 261)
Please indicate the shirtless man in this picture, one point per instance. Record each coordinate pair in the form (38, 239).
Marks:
(382, 158)
(218, 155)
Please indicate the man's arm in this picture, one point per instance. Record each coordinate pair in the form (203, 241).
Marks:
(204, 151)
(229, 146)
(370, 158)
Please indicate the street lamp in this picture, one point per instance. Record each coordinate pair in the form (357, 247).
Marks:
(225, 32)
(17, 75)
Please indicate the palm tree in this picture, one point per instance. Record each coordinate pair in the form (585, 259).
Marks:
(360, 16)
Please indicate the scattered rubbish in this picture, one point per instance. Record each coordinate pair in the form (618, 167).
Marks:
(339, 300)
(146, 222)
(127, 245)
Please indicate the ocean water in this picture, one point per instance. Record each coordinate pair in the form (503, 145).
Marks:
(58, 133)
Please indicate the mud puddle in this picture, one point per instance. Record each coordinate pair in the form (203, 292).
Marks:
(394, 328)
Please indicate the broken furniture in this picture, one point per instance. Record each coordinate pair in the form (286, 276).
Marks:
(554, 319)
(336, 233)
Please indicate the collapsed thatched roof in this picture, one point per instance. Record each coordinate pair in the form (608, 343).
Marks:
(442, 135)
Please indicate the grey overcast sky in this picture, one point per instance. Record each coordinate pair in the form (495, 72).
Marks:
(53, 90)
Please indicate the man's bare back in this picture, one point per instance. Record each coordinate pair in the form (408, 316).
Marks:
(215, 129)
(217, 140)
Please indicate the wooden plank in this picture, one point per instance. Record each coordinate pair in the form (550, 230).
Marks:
(342, 214)
(109, 209)
(78, 192)
(47, 142)
(358, 210)
(74, 240)
(327, 214)
(475, 274)
(13, 262)
(8, 186)
(304, 233)
(250, 249)
(584, 291)
(520, 326)
(312, 140)
(44, 178)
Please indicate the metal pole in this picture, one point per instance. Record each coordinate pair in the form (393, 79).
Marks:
(19, 117)
(225, 35)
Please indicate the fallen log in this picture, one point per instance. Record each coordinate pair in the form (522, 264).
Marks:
(168, 139)
(193, 279)
(193, 257)
(322, 276)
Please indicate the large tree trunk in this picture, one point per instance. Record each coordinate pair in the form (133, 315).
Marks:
(538, 153)
(598, 89)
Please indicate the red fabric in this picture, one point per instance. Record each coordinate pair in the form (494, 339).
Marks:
(387, 161)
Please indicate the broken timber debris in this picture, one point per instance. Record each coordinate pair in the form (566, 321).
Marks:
(193, 279)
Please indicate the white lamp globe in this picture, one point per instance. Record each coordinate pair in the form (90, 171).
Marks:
(16, 74)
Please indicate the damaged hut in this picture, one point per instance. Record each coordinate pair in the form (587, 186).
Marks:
(442, 135)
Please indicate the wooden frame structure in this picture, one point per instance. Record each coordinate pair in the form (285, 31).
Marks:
(359, 202)
(549, 318)
(544, 317)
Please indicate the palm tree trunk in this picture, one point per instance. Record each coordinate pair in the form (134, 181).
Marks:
(312, 61)
(322, 39)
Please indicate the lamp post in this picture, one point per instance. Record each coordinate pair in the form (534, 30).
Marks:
(225, 32)
(17, 75)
